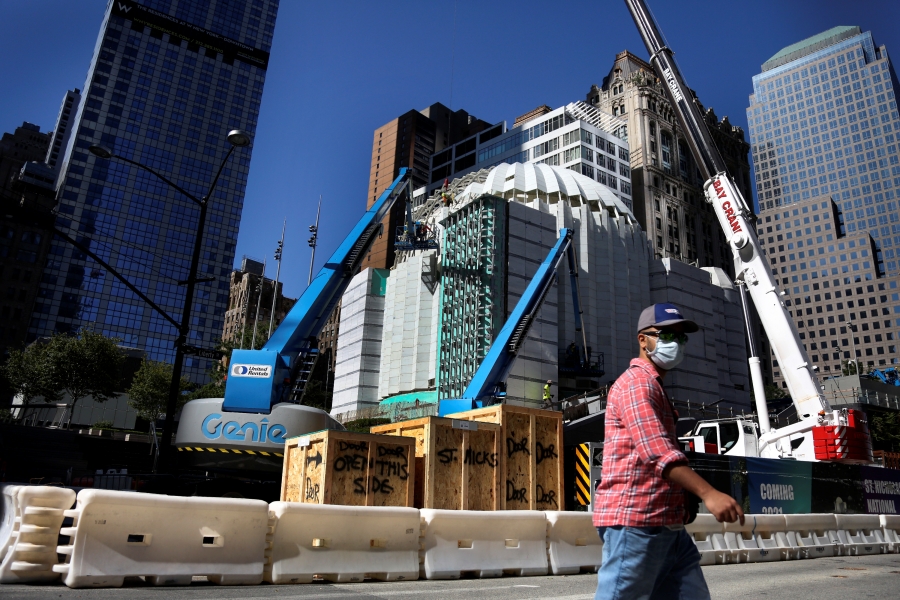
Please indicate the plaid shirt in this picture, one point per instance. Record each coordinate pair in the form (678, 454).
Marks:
(640, 443)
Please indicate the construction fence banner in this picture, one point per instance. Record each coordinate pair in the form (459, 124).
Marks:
(778, 487)
(771, 486)
(881, 488)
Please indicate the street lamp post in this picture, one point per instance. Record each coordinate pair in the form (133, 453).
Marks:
(238, 139)
(853, 345)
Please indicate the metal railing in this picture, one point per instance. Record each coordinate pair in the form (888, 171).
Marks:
(594, 401)
(397, 411)
(864, 396)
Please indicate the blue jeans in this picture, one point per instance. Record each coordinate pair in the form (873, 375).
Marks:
(650, 563)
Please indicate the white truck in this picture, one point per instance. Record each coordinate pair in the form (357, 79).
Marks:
(821, 432)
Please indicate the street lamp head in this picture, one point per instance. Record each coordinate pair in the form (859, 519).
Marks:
(239, 138)
(101, 151)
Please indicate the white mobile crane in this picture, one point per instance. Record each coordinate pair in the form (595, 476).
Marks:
(821, 433)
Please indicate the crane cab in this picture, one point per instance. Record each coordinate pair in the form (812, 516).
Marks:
(732, 437)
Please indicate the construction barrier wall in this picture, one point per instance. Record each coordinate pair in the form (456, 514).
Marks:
(32, 518)
(167, 539)
(342, 543)
(170, 540)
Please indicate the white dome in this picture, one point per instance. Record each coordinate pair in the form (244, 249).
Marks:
(529, 181)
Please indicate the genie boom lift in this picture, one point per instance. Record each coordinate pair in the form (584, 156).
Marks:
(247, 428)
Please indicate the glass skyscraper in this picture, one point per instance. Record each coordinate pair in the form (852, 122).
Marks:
(168, 80)
(824, 122)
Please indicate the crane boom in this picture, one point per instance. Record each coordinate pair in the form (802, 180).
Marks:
(732, 212)
(751, 267)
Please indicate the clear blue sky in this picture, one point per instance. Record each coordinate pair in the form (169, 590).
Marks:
(341, 69)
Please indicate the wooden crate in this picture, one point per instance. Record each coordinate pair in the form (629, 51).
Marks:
(353, 469)
(531, 465)
(458, 461)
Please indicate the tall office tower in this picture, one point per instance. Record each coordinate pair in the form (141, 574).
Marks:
(168, 80)
(824, 121)
(667, 187)
(409, 141)
(26, 199)
(63, 131)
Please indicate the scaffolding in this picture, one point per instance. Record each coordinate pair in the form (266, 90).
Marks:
(473, 290)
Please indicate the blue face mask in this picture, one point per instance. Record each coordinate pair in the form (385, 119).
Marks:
(667, 355)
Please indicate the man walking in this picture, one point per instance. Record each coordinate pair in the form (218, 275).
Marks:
(640, 502)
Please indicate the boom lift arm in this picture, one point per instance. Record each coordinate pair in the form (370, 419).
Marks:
(750, 266)
(259, 379)
(489, 382)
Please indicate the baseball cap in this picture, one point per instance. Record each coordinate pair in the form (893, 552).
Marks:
(663, 315)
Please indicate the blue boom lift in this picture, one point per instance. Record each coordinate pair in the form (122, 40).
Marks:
(888, 376)
(261, 408)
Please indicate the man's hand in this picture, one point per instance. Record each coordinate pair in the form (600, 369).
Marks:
(722, 506)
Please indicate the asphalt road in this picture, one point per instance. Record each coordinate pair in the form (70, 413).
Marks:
(820, 579)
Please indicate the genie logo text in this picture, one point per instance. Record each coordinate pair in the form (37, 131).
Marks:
(262, 432)
(261, 371)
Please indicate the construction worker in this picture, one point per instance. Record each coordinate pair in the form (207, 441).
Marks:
(548, 397)
(446, 197)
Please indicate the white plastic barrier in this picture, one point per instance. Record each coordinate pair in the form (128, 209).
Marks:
(890, 527)
(167, 539)
(573, 544)
(859, 534)
(32, 517)
(487, 544)
(808, 534)
(708, 535)
(342, 543)
(757, 540)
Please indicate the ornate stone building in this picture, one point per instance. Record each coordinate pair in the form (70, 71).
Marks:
(247, 286)
(666, 184)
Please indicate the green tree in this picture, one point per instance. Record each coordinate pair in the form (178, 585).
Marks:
(246, 340)
(885, 431)
(774, 392)
(87, 365)
(28, 374)
(149, 391)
